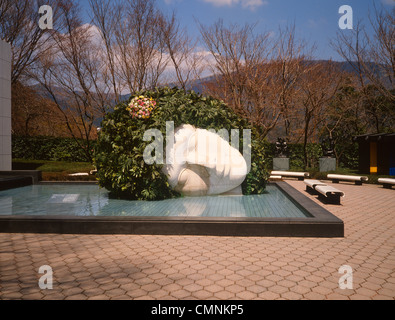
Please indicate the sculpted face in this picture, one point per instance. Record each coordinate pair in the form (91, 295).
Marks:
(194, 180)
(203, 163)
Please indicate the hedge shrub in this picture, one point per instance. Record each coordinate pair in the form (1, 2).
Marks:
(48, 148)
(120, 146)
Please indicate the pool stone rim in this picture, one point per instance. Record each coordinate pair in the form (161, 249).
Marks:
(319, 223)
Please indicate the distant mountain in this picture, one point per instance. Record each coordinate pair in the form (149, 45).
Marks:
(196, 85)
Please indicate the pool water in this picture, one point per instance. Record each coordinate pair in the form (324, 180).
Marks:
(90, 200)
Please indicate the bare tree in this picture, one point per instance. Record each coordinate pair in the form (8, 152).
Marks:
(319, 85)
(141, 49)
(382, 53)
(372, 56)
(19, 27)
(241, 72)
(290, 62)
(71, 73)
(141, 45)
(256, 74)
(185, 60)
(33, 114)
(106, 15)
(85, 67)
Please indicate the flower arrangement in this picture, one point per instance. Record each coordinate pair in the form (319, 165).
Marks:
(141, 107)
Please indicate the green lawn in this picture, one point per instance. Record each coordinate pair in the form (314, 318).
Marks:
(55, 170)
(60, 170)
(315, 174)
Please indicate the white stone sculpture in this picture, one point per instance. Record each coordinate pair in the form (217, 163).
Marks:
(203, 163)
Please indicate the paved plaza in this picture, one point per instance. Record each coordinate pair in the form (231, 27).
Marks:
(202, 267)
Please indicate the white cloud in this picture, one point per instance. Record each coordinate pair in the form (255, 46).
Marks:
(248, 4)
(253, 4)
(169, 2)
(388, 2)
(220, 3)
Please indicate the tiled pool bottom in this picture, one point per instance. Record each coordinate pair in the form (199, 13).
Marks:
(90, 200)
(85, 208)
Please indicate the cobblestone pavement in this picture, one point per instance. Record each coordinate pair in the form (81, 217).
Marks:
(202, 267)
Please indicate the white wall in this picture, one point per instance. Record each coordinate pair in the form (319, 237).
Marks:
(5, 106)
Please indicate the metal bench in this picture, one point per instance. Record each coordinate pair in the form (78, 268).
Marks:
(329, 194)
(272, 177)
(339, 177)
(311, 184)
(299, 175)
(387, 182)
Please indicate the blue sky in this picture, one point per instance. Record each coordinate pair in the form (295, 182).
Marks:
(315, 20)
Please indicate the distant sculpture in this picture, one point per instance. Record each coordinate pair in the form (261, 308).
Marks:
(281, 148)
(328, 147)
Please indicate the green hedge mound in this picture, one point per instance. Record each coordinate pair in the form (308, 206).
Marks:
(120, 145)
(50, 148)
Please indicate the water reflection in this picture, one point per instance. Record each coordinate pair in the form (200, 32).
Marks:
(90, 200)
(219, 206)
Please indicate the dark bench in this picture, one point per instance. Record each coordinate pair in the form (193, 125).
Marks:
(329, 194)
(311, 184)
